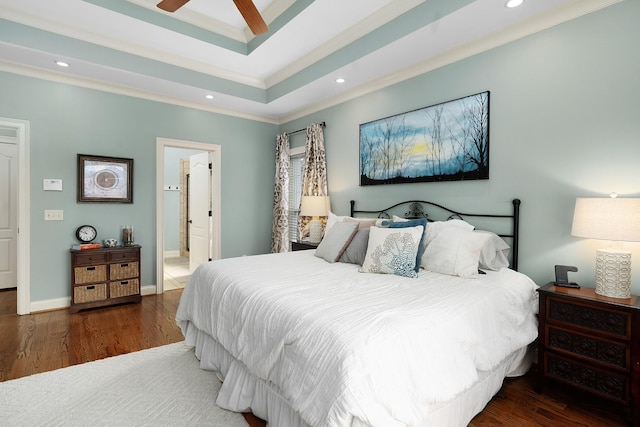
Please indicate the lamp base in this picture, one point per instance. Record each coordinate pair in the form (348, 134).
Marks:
(315, 231)
(613, 273)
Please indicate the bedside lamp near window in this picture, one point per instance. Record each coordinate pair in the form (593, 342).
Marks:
(609, 219)
(315, 207)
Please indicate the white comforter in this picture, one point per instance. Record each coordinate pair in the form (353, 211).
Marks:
(339, 344)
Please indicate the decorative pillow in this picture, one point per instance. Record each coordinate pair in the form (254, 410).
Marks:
(336, 241)
(435, 227)
(357, 249)
(455, 251)
(331, 220)
(494, 254)
(411, 223)
(392, 251)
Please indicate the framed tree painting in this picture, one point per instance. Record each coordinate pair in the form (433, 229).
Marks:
(105, 179)
(443, 142)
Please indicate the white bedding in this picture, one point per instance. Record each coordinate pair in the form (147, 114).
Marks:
(341, 345)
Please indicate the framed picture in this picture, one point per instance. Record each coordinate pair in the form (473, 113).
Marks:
(443, 142)
(105, 179)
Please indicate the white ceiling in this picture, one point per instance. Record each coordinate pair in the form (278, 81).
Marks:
(132, 47)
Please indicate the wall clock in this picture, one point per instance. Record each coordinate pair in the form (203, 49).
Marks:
(86, 233)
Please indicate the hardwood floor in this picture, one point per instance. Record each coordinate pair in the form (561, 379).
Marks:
(55, 339)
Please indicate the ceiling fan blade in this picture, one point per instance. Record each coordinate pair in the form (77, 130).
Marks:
(171, 5)
(252, 16)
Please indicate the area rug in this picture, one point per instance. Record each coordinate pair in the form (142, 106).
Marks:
(162, 386)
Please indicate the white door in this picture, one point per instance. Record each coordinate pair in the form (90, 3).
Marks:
(8, 215)
(199, 208)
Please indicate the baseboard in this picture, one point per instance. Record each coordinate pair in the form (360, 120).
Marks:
(148, 290)
(58, 303)
(50, 304)
(171, 254)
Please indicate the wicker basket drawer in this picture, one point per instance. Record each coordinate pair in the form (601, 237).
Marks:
(89, 274)
(124, 288)
(123, 270)
(89, 293)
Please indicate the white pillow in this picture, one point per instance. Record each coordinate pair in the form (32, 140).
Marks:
(495, 252)
(435, 227)
(455, 251)
(392, 251)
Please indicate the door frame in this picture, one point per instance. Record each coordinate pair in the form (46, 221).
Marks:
(215, 151)
(23, 290)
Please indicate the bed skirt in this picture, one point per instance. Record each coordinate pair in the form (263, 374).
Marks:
(242, 391)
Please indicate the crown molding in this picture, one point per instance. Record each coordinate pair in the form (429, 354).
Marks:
(552, 18)
(58, 77)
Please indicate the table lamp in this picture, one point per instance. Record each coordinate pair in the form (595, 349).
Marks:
(616, 219)
(315, 207)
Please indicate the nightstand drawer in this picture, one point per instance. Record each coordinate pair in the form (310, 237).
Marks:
(610, 353)
(599, 381)
(124, 255)
(601, 319)
(89, 258)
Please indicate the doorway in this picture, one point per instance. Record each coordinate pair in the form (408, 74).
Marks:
(14, 138)
(175, 176)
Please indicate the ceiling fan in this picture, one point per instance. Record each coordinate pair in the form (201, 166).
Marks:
(247, 9)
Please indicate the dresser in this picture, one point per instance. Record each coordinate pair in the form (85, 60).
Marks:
(105, 276)
(591, 342)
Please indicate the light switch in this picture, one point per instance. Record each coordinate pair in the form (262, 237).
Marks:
(53, 215)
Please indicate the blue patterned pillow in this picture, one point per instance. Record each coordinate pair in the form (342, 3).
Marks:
(411, 223)
(393, 251)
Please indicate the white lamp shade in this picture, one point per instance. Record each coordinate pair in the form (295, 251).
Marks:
(607, 219)
(314, 206)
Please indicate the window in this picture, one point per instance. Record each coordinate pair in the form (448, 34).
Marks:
(296, 168)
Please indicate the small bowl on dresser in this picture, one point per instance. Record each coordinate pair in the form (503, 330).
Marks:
(110, 243)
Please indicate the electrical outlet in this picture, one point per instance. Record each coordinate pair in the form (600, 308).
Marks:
(53, 215)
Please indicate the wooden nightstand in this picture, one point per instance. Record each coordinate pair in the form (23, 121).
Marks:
(591, 342)
(303, 246)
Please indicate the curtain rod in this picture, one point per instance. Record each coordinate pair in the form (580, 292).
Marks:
(323, 124)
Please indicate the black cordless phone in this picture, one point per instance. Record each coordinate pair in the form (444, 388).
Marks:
(561, 276)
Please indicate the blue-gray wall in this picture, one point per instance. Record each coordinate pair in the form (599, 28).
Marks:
(564, 123)
(66, 120)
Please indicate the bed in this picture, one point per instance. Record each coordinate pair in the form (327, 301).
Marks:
(311, 338)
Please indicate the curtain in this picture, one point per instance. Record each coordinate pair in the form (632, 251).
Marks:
(280, 228)
(314, 180)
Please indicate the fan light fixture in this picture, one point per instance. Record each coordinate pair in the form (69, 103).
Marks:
(616, 219)
(247, 9)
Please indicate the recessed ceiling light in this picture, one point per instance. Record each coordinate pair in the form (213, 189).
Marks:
(62, 64)
(513, 3)
(209, 96)
(340, 80)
